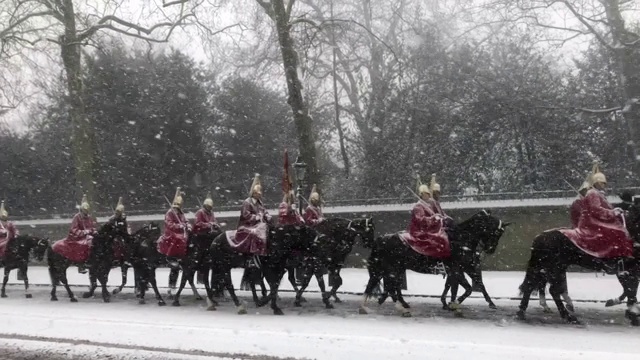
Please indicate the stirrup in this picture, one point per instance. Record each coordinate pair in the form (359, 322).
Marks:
(440, 269)
(620, 268)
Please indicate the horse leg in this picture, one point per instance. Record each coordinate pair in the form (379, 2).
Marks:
(336, 280)
(27, 294)
(194, 289)
(274, 283)
(173, 280)
(211, 304)
(306, 279)
(63, 280)
(7, 271)
(630, 285)
(186, 274)
(616, 301)
(229, 286)
(154, 286)
(124, 269)
(374, 280)
(556, 289)
(92, 287)
(461, 280)
(476, 278)
(445, 292)
(395, 289)
(542, 295)
(325, 295)
(103, 277)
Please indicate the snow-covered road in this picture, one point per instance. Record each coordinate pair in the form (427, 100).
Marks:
(124, 329)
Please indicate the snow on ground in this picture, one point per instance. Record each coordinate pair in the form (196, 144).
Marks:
(124, 329)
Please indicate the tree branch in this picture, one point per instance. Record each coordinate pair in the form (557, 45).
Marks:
(106, 24)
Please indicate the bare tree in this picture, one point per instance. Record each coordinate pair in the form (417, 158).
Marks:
(609, 22)
(32, 24)
(280, 13)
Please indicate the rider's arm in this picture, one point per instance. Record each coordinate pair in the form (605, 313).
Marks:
(594, 207)
(172, 222)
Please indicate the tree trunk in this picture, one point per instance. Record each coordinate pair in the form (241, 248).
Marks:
(304, 128)
(82, 132)
(343, 148)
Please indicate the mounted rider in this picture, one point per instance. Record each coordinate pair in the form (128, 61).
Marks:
(253, 222)
(77, 245)
(287, 212)
(8, 231)
(173, 242)
(313, 214)
(575, 211)
(426, 234)
(435, 202)
(601, 232)
(121, 251)
(206, 222)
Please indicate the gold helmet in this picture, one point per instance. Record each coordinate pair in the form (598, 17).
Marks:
(177, 199)
(4, 215)
(314, 197)
(596, 175)
(434, 186)
(256, 186)
(120, 206)
(208, 201)
(84, 204)
(422, 188)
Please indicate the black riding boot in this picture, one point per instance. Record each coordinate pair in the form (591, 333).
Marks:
(173, 263)
(82, 269)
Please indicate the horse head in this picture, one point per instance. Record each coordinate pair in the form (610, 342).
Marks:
(633, 220)
(150, 231)
(365, 228)
(487, 228)
(40, 248)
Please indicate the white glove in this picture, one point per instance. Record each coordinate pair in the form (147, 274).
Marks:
(618, 211)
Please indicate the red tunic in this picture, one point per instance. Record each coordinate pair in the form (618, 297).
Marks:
(251, 236)
(426, 233)
(600, 232)
(7, 232)
(289, 216)
(77, 245)
(437, 209)
(313, 215)
(173, 241)
(205, 222)
(575, 211)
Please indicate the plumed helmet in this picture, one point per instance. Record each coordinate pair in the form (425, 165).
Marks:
(84, 204)
(256, 185)
(596, 174)
(315, 195)
(177, 199)
(434, 186)
(422, 188)
(208, 201)
(120, 206)
(4, 215)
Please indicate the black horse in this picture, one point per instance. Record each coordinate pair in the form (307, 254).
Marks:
(337, 237)
(100, 260)
(17, 257)
(552, 253)
(282, 241)
(391, 257)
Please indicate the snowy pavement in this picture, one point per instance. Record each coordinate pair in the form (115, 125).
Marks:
(125, 330)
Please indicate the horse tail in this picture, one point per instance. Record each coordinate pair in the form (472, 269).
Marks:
(534, 278)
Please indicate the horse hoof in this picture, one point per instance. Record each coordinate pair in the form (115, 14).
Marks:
(571, 319)
(28, 296)
(175, 303)
(115, 291)
(106, 300)
(547, 310)
(493, 306)
(277, 312)
(337, 300)
(520, 315)
(73, 300)
(406, 314)
(3, 296)
(570, 308)
(142, 302)
(86, 295)
(445, 307)
(453, 306)
(458, 313)
(161, 303)
(53, 298)
(242, 310)
(297, 303)
(329, 306)
(635, 318)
